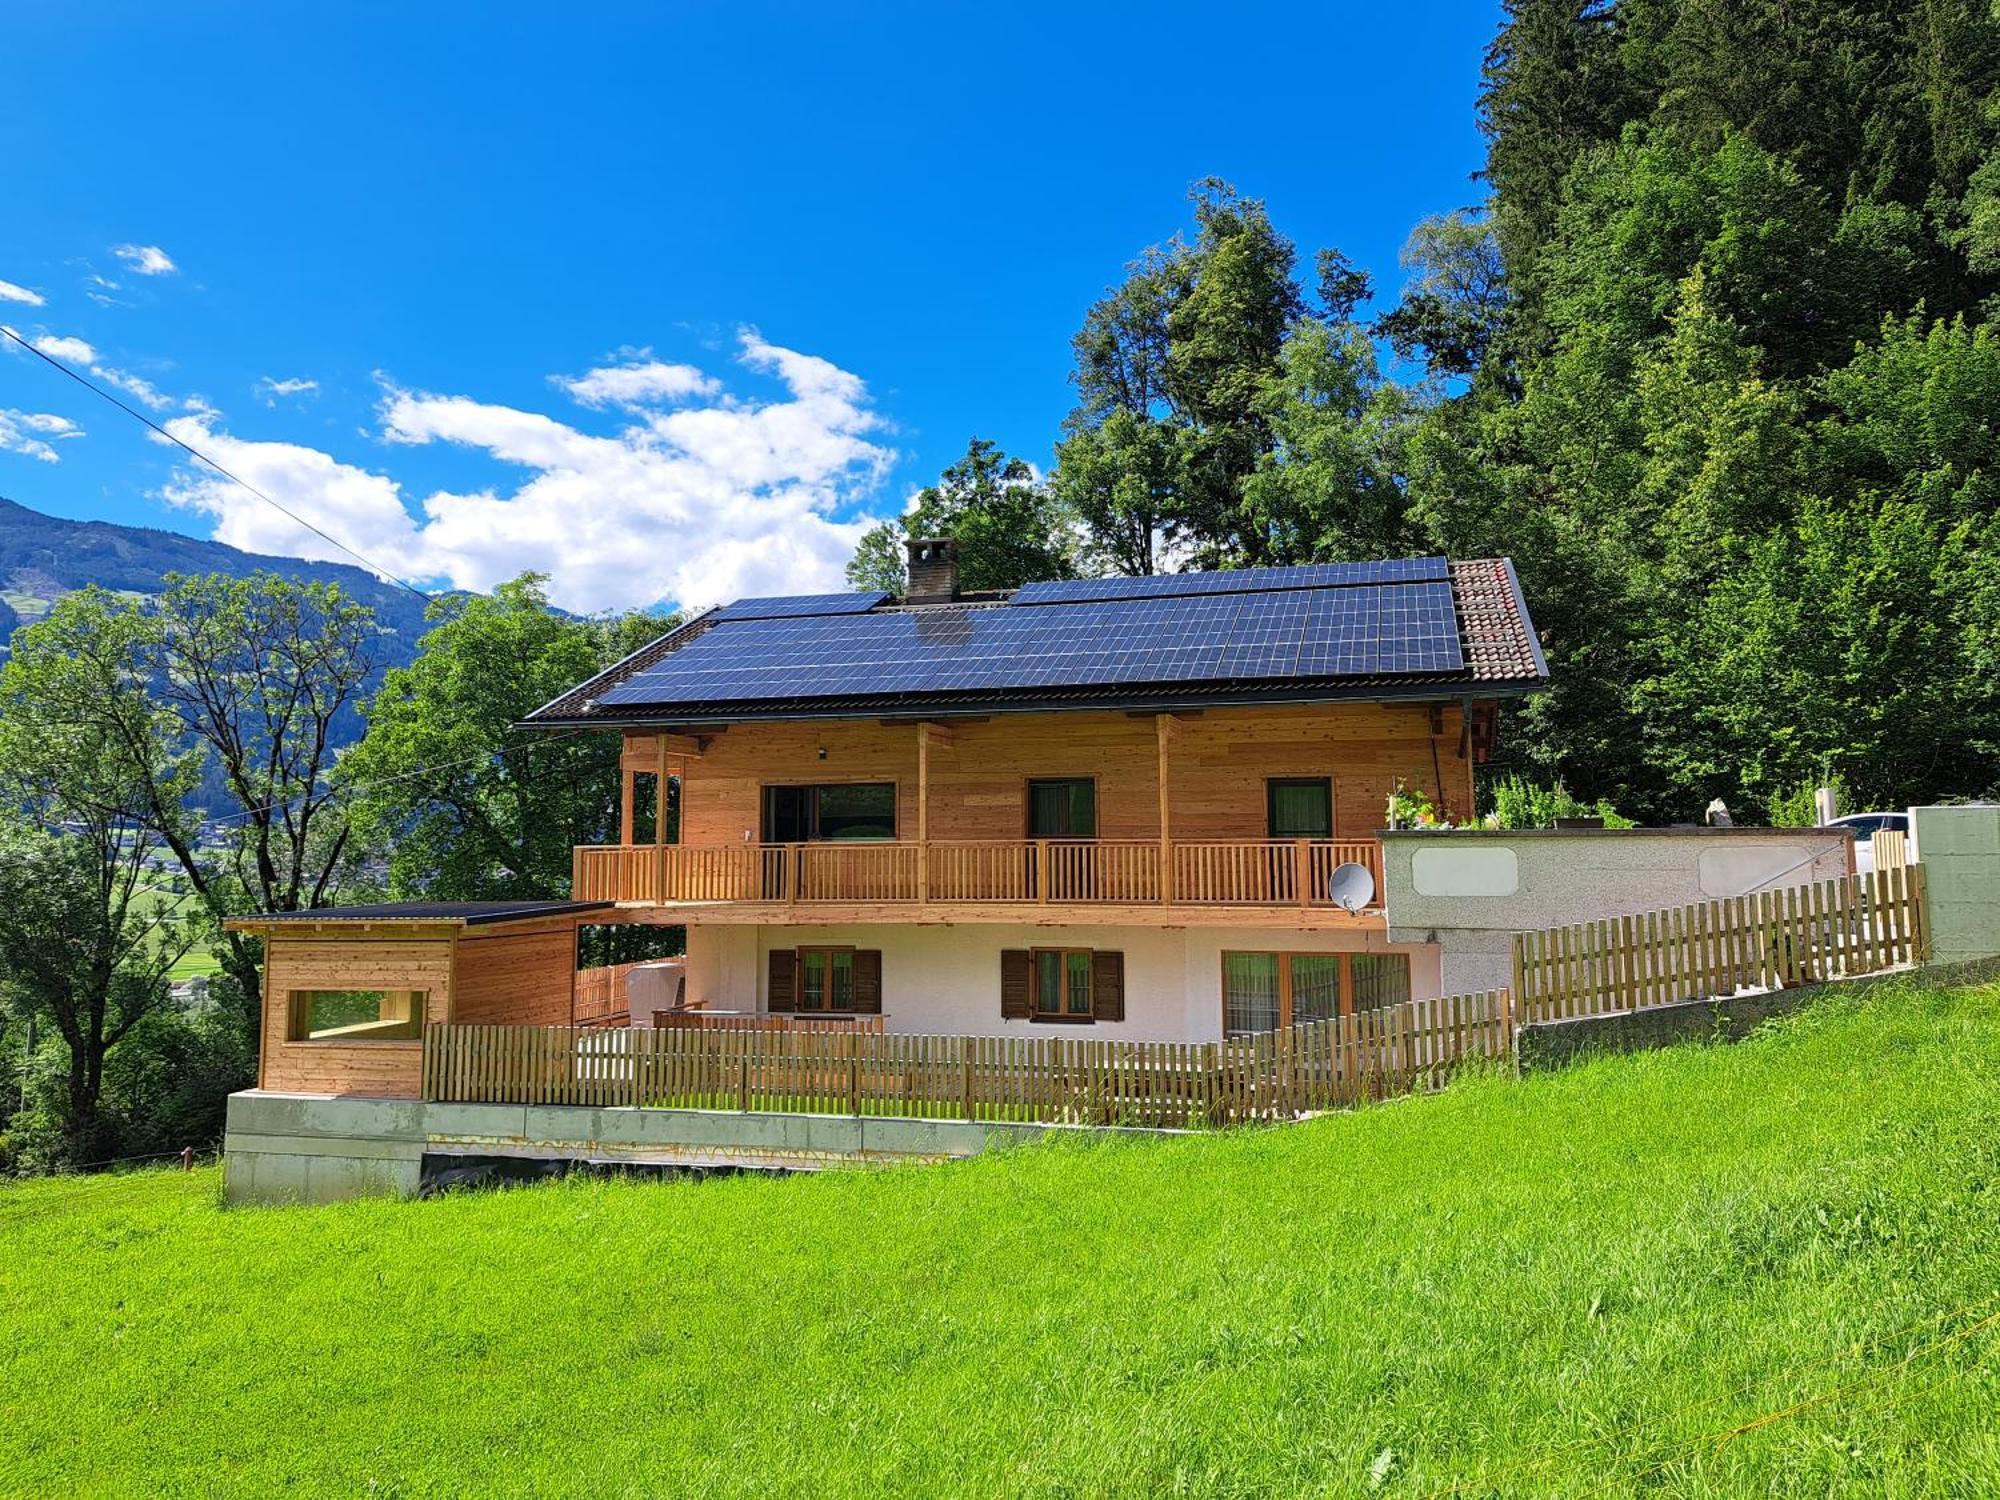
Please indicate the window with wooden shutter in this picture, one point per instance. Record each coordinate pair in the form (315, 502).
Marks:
(1107, 986)
(1063, 985)
(868, 981)
(825, 981)
(1016, 965)
(782, 988)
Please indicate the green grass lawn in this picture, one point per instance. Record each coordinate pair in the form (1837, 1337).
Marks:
(1578, 1284)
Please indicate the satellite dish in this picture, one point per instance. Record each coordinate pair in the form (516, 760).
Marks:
(1351, 887)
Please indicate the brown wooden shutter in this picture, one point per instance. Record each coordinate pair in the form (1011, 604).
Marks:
(868, 981)
(1107, 985)
(1014, 969)
(784, 968)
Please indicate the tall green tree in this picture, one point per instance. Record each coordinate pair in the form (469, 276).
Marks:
(462, 804)
(1178, 372)
(1331, 487)
(1455, 302)
(85, 943)
(236, 680)
(1010, 527)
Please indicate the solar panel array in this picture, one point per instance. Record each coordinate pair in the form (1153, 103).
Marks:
(1354, 629)
(789, 605)
(1238, 581)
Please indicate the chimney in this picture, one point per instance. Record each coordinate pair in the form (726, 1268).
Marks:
(933, 570)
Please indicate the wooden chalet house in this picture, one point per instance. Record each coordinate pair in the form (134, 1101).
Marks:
(1118, 803)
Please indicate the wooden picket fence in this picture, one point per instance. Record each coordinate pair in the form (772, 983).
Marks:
(1771, 940)
(1279, 1075)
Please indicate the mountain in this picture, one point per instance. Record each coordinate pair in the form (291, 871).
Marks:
(43, 557)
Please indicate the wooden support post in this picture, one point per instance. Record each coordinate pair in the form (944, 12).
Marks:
(923, 813)
(1163, 729)
(628, 782)
(660, 823)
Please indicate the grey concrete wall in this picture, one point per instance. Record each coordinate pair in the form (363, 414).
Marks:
(1553, 1044)
(297, 1148)
(1470, 891)
(1960, 851)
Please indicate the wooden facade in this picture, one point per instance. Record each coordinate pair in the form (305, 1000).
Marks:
(1181, 809)
(518, 973)
(966, 781)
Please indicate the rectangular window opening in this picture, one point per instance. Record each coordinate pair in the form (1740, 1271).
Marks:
(840, 811)
(1300, 807)
(1061, 985)
(825, 979)
(357, 1015)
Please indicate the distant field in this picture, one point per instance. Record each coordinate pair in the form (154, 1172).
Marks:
(197, 960)
(1772, 1269)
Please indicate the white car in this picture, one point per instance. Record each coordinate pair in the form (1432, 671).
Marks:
(1865, 826)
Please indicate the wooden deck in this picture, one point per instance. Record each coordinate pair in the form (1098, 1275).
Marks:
(1239, 882)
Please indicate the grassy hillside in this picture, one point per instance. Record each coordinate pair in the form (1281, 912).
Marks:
(1571, 1285)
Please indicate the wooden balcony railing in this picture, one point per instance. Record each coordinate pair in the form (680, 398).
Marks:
(1067, 872)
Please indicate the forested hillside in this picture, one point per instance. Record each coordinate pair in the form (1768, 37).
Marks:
(44, 557)
(1710, 356)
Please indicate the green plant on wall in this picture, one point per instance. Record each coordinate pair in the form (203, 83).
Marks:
(1521, 803)
(1799, 808)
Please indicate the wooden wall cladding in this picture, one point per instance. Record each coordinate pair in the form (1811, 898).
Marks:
(1220, 760)
(320, 962)
(516, 979)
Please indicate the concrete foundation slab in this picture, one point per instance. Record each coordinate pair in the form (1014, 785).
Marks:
(321, 1149)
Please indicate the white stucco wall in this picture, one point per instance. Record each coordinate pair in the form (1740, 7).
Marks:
(947, 978)
(1470, 892)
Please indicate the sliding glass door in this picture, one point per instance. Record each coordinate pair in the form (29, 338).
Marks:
(1269, 991)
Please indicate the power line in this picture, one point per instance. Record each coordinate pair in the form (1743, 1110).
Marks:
(410, 775)
(137, 415)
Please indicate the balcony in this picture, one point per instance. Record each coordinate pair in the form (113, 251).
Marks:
(991, 880)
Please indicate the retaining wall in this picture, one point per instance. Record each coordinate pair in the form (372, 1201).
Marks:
(309, 1148)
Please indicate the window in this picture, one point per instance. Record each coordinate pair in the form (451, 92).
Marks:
(826, 979)
(841, 811)
(1379, 979)
(357, 1015)
(1062, 984)
(1300, 808)
(1062, 809)
(1269, 991)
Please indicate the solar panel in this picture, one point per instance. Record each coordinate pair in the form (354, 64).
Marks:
(788, 605)
(1238, 581)
(1338, 631)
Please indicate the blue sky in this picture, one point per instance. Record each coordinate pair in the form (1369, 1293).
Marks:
(371, 255)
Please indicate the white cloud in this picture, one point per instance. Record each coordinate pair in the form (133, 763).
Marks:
(696, 505)
(270, 390)
(135, 386)
(61, 346)
(25, 432)
(78, 351)
(12, 293)
(637, 383)
(145, 260)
